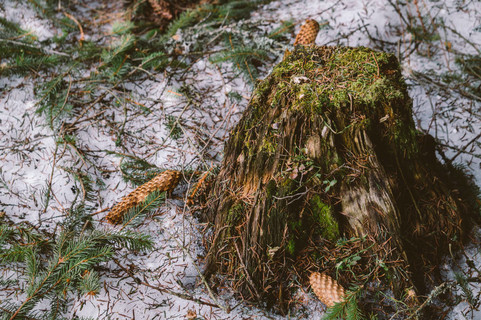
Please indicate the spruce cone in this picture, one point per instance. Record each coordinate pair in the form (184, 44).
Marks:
(165, 181)
(326, 288)
(161, 9)
(308, 33)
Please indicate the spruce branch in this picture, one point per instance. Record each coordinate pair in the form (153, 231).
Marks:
(35, 48)
(136, 214)
(70, 266)
(347, 309)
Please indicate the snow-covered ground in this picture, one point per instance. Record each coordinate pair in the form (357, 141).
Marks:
(32, 162)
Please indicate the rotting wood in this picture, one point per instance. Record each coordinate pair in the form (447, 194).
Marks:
(327, 150)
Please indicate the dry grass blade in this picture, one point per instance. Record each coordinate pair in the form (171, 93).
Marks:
(165, 181)
(199, 188)
(308, 33)
(326, 288)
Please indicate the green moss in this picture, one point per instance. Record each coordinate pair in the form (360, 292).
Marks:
(235, 213)
(234, 217)
(346, 74)
(325, 81)
(283, 189)
(295, 225)
(269, 144)
(328, 226)
(291, 246)
(271, 189)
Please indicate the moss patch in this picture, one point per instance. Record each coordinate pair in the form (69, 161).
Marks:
(291, 247)
(320, 81)
(235, 213)
(322, 214)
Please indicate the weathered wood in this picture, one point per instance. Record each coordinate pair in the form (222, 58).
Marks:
(327, 148)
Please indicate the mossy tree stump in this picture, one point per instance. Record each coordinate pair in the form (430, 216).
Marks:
(327, 148)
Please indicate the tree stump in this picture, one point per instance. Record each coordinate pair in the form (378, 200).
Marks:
(326, 151)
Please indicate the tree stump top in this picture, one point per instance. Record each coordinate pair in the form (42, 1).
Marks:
(345, 88)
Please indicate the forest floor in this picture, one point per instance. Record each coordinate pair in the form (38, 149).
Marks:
(77, 128)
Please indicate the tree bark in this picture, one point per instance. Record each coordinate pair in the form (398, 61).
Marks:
(326, 151)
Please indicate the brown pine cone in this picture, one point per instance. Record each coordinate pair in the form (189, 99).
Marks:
(326, 288)
(308, 33)
(161, 9)
(165, 181)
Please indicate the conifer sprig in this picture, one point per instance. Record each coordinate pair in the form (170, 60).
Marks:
(243, 58)
(137, 171)
(54, 100)
(54, 268)
(347, 309)
(137, 214)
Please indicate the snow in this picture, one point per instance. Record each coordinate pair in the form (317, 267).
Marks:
(21, 13)
(30, 156)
